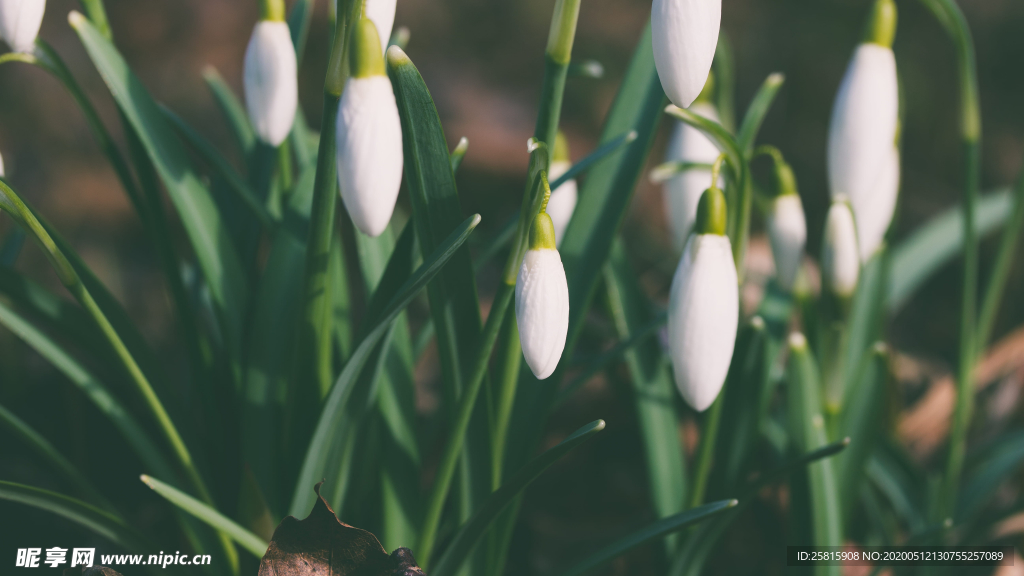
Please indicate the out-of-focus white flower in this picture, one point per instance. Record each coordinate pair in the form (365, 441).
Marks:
(369, 136)
(683, 191)
(840, 260)
(684, 34)
(704, 307)
(542, 301)
(2, 173)
(787, 231)
(563, 199)
(382, 13)
(875, 209)
(863, 164)
(271, 81)
(20, 21)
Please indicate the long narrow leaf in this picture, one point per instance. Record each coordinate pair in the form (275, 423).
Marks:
(204, 512)
(654, 530)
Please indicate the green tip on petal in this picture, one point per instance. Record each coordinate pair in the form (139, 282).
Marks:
(711, 213)
(366, 58)
(542, 233)
(708, 92)
(881, 27)
(272, 10)
(561, 150)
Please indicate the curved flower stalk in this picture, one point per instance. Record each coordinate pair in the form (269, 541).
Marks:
(20, 21)
(563, 199)
(370, 157)
(704, 306)
(840, 260)
(542, 300)
(271, 76)
(684, 34)
(683, 191)
(863, 164)
(787, 226)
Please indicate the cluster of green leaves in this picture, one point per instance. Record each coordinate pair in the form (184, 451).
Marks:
(297, 377)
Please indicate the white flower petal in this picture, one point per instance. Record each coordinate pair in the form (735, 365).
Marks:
(2, 167)
(683, 191)
(787, 230)
(369, 152)
(685, 35)
(271, 81)
(20, 21)
(542, 310)
(702, 318)
(864, 119)
(563, 199)
(840, 261)
(874, 210)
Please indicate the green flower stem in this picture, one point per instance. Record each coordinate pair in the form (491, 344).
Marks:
(952, 19)
(551, 96)
(95, 11)
(311, 372)
(11, 203)
(508, 372)
(1001, 271)
(706, 451)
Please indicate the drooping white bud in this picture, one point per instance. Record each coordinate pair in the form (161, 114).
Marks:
(840, 260)
(369, 137)
(20, 21)
(703, 310)
(683, 191)
(542, 301)
(874, 210)
(684, 34)
(271, 81)
(863, 162)
(787, 231)
(2, 173)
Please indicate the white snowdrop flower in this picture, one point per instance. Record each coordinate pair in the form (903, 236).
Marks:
(875, 209)
(684, 34)
(271, 76)
(20, 21)
(703, 310)
(840, 260)
(861, 162)
(683, 191)
(542, 300)
(787, 227)
(563, 199)
(2, 173)
(787, 231)
(369, 136)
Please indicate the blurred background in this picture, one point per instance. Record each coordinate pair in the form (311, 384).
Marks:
(483, 61)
